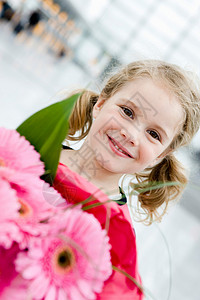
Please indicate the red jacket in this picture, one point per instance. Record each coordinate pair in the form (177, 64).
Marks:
(74, 188)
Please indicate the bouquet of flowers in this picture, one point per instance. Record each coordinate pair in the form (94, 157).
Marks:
(55, 242)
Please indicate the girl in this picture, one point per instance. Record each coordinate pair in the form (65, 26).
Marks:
(143, 114)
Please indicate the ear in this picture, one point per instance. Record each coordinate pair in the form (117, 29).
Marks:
(98, 106)
(160, 157)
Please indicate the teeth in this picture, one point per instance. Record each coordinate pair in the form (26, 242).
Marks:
(119, 149)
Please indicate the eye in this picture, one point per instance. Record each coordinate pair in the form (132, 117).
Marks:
(128, 112)
(154, 134)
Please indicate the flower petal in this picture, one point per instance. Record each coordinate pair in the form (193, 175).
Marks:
(85, 288)
(62, 295)
(75, 294)
(17, 153)
(39, 287)
(31, 271)
(51, 294)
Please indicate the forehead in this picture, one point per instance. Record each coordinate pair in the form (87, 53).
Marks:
(145, 86)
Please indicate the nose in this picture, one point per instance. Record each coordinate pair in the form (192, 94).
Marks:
(130, 138)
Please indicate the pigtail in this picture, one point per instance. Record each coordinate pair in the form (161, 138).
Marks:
(81, 116)
(169, 170)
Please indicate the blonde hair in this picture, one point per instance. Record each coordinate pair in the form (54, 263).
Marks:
(185, 87)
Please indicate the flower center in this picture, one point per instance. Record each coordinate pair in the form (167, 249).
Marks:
(2, 162)
(25, 209)
(64, 259)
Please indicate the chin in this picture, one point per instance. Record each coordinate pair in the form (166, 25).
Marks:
(111, 167)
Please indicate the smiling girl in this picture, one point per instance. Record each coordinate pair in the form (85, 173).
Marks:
(143, 114)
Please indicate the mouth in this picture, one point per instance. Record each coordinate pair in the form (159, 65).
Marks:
(118, 148)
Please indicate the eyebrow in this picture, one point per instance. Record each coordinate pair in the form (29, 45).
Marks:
(141, 112)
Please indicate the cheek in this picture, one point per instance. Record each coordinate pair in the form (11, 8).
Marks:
(96, 127)
(102, 126)
(147, 153)
(96, 137)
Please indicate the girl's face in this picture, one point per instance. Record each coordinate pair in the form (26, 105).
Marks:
(133, 129)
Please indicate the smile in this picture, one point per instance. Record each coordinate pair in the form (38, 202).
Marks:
(117, 149)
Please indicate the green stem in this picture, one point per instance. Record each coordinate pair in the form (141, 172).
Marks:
(134, 281)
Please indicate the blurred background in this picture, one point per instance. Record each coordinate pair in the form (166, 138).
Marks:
(50, 47)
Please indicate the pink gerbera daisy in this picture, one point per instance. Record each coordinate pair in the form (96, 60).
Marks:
(18, 154)
(72, 262)
(28, 217)
(35, 211)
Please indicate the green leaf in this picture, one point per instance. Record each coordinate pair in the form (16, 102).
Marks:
(148, 186)
(46, 130)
